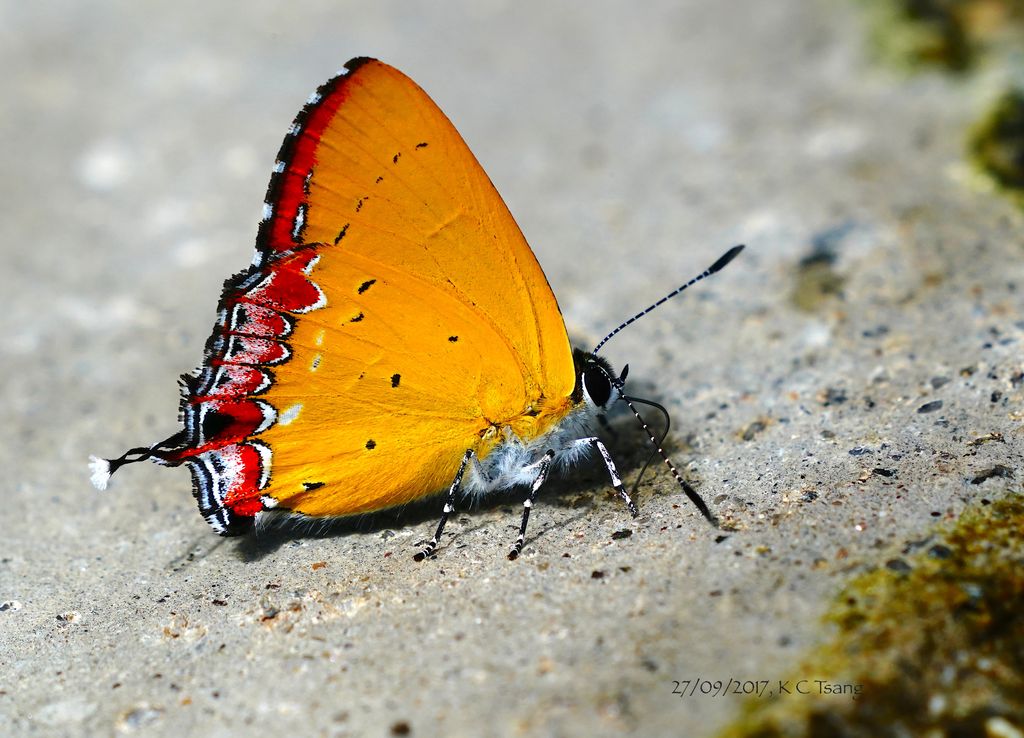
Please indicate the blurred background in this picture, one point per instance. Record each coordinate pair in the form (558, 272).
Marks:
(867, 152)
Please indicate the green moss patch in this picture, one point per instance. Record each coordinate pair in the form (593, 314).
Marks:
(948, 34)
(927, 645)
(996, 143)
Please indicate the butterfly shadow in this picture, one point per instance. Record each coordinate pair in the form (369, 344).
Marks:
(279, 529)
(582, 488)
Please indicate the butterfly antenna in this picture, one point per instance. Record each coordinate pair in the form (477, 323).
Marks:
(690, 491)
(661, 439)
(718, 265)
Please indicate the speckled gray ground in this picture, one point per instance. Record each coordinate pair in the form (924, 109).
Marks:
(633, 147)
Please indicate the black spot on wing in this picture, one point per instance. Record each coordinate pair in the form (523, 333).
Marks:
(357, 318)
(310, 486)
(378, 180)
(341, 234)
(395, 379)
(396, 157)
(421, 145)
(359, 205)
(365, 286)
(214, 422)
(453, 339)
(371, 444)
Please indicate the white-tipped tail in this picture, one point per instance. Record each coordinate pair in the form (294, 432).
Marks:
(100, 469)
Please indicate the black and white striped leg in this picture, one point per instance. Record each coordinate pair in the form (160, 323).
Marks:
(448, 509)
(543, 467)
(612, 471)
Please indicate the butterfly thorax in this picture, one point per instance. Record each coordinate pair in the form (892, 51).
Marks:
(508, 451)
(507, 457)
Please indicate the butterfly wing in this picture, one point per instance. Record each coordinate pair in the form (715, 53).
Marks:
(393, 318)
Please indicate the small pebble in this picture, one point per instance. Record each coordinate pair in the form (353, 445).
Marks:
(996, 471)
(833, 396)
(898, 565)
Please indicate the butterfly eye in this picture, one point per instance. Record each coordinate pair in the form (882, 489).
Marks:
(597, 385)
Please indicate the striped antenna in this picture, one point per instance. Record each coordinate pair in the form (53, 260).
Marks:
(695, 498)
(722, 261)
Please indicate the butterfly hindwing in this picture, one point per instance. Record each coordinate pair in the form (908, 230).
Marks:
(397, 314)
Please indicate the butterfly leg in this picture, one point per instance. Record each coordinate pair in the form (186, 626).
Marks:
(543, 467)
(597, 443)
(448, 509)
(481, 471)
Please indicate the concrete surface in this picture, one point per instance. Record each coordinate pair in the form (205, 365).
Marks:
(633, 146)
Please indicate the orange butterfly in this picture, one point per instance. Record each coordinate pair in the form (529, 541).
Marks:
(393, 336)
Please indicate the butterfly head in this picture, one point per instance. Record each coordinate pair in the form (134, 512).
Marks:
(599, 387)
(597, 384)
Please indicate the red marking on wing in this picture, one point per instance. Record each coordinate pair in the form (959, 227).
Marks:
(240, 418)
(219, 412)
(236, 420)
(236, 380)
(242, 494)
(251, 319)
(299, 154)
(286, 286)
(252, 336)
(252, 350)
